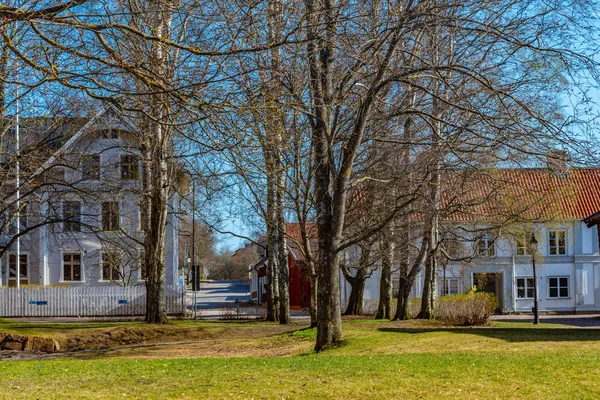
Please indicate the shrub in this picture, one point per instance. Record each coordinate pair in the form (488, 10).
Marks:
(466, 309)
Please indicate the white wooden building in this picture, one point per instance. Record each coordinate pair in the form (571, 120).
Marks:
(81, 214)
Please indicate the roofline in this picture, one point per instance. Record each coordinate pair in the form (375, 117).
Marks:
(75, 138)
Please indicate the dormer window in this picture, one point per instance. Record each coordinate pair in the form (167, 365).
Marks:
(486, 246)
(129, 167)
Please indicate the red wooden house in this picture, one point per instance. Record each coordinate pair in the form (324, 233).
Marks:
(299, 281)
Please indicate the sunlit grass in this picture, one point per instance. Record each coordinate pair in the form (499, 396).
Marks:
(413, 359)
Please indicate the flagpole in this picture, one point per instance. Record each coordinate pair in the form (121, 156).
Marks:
(18, 184)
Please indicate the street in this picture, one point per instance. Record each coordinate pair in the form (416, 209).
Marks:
(215, 294)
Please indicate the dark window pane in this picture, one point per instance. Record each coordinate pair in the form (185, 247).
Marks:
(530, 282)
(564, 292)
(67, 272)
(77, 272)
(564, 282)
(520, 292)
(553, 292)
(129, 167)
(110, 215)
(553, 282)
(530, 292)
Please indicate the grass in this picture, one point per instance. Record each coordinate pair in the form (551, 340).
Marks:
(412, 359)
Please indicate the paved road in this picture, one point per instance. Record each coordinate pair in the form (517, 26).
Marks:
(572, 320)
(214, 294)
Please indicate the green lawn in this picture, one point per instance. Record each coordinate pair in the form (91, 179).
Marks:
(379, 360)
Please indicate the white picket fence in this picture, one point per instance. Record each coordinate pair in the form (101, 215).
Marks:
(83, 301)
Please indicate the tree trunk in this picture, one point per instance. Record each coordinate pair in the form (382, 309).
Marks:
(403, 307)
(384, 309)
(272, 252)
(313, 299)
(427, 303)
(154, 241)
(158, 150)
(357, 293)
(284, 275)
(329, 316)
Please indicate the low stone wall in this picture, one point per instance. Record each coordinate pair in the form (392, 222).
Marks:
(28, 343)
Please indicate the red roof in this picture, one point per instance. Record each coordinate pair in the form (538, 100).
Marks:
(522, 195)
(294, 239)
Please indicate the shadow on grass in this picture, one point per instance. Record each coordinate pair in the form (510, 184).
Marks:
(513, 335)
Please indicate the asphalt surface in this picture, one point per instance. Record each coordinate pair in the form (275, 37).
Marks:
(217, 294)
(572, 320)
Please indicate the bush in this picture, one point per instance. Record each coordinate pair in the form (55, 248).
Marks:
(466, 309)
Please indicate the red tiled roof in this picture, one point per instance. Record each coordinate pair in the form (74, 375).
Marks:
(521, 195)
(294, 239)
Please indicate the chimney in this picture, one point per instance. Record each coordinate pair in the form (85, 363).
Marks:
(556, 162)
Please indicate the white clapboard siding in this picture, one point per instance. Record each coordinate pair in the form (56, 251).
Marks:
(83, 301)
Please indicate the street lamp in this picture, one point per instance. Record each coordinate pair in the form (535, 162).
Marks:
(533, 245)
(188, 260)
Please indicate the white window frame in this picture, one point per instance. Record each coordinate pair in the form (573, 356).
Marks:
(23, 253)
(522, 240)
(121, 270)
(558, 287)
(121, 165)
(62, 265)
(486, 238)
(119, 222)
(566, 246)
(525, 287)
(445, 290)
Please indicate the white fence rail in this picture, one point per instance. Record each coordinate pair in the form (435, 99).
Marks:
(83, 301)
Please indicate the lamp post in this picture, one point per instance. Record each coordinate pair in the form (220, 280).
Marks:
(533, 245)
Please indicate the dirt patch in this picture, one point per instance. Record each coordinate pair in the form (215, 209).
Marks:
(12, 342)
(206, 339)
(124, 336)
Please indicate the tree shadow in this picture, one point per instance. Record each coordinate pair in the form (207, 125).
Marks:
(513, 335)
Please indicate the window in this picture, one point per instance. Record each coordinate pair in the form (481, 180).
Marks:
(90, 166)
(523, 240)
(72, 267)
(452, 287)
(71, 216)
(110, 215)
(12, 265)
(111, 266)
(485, 246)
(558, 286)
(525, 288)
(129, 167)
(557, 242)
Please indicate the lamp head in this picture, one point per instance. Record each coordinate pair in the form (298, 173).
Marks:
(533, 243)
